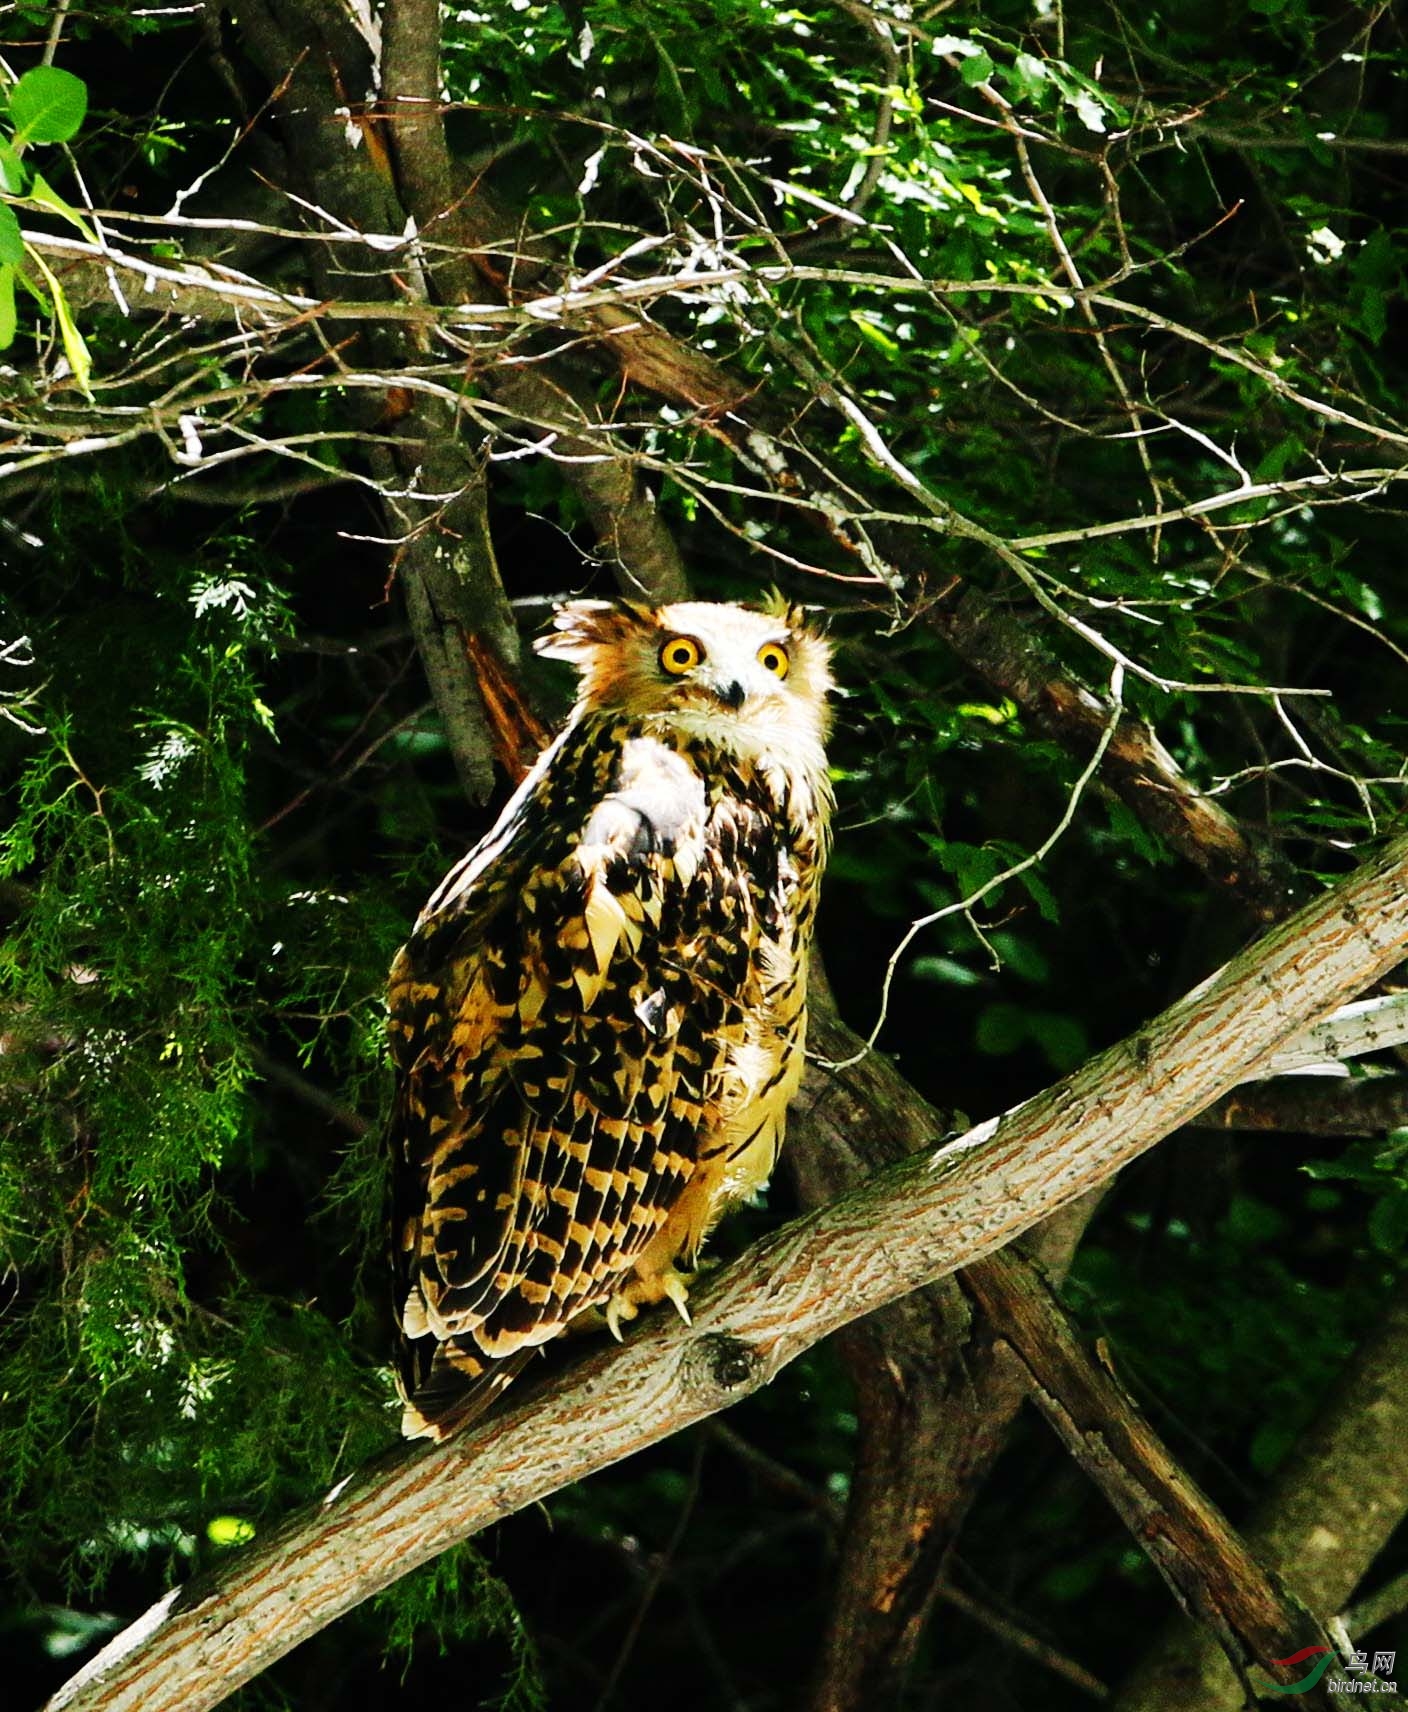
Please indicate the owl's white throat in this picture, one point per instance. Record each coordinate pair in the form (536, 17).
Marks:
(773, 741)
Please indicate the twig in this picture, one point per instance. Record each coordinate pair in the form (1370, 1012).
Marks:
(1024, 1641)
(964, 905)
(658, 1571)
(56, 29)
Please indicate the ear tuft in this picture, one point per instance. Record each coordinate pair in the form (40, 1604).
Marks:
(579, 627)
(777, 605)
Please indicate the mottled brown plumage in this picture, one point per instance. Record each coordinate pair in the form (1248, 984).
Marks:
(598, 1021)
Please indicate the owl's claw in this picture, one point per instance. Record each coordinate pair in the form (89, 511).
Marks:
(670, 1285)
(619, 1308)
(674, 1286)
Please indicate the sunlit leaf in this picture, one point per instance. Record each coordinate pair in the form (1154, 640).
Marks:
(48, 105)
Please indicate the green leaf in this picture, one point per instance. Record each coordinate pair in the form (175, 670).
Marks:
(8, 319)
(1001, 1028)
(229, 1530)
(43, 195)
(11, 239)
(1388, 1222)
(14, 174)
(1249, 1221)
(48, 105)
(1029, 76)
(1041, 894)
(971, 865)
(977, 68)
(1061, 1038)
(946, 970)
(34, 290)
(868, 330)
(80, 359)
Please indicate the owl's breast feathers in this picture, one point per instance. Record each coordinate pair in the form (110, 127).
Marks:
(597, 1024)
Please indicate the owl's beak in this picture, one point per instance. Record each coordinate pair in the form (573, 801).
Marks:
(731, 693)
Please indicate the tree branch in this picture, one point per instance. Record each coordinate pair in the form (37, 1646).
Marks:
(934, 1396)
(916, 1222)
(1211, 1572)
(432, 487)
(1327, 1515)
(1141, 772)
(621, 510)
(1313, 1105)
(995, 645)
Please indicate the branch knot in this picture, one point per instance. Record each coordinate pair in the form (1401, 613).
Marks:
(718, 1362)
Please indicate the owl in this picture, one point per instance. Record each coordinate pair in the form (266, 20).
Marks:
(599, 1018)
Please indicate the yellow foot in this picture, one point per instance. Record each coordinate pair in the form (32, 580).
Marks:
(668, 1285)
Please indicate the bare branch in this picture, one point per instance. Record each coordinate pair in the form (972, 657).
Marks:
(1313, 1105)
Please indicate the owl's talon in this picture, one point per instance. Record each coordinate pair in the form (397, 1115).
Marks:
(619, 1308)
(674, 1286)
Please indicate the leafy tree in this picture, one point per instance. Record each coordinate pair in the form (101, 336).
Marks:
(1057, 357)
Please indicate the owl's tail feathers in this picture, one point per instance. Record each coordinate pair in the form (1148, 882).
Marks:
(458, 1388)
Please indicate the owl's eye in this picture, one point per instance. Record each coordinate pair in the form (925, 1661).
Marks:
(680, 654)
(772, 656)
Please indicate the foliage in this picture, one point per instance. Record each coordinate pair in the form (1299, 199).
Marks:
(1151, 411)
(46, 105)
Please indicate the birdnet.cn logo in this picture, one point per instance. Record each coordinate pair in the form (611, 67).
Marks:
(1319, 1660)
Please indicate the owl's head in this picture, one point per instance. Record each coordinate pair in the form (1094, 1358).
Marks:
(752, 680)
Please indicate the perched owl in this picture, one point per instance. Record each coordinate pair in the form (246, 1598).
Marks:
(598, 1021)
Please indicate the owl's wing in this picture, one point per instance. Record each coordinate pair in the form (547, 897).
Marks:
(561, 1046)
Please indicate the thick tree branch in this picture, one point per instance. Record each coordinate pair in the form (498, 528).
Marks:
(621, 510)
(1313, 1105)
(451, 584)
(1211, 1572)
(433, 496)
(1327, 1515)
(918, 1221)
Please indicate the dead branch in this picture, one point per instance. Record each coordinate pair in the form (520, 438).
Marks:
(1313, 1105)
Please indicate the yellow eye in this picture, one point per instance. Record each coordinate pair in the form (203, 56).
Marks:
(772, 656)
(680, 654)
